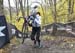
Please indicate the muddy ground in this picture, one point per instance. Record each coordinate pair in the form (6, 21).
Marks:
(63, 42)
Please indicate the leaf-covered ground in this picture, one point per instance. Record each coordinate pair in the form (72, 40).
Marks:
(51, 44)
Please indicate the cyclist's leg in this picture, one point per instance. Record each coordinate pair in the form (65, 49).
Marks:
(38, 35)
(33, 34)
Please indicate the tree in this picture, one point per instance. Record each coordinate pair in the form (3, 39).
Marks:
(54, 12)
(17, 6)
(69, 10)
(72, 10)
(10, 11)
(55, 19)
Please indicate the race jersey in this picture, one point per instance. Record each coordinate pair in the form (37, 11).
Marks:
(37, 21)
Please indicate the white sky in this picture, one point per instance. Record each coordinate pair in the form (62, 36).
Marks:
(6, 3)
(12, 2)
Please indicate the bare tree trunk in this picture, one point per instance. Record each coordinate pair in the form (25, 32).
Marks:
(45, 17)
(43, 11)
(51, 7)
(72, 9)
(69, 10)
(27, 8)
(17, 6)
(10, 11)
(55, 19)
(72, 12)
(21, 7)
(1, 8)
(24, 5)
